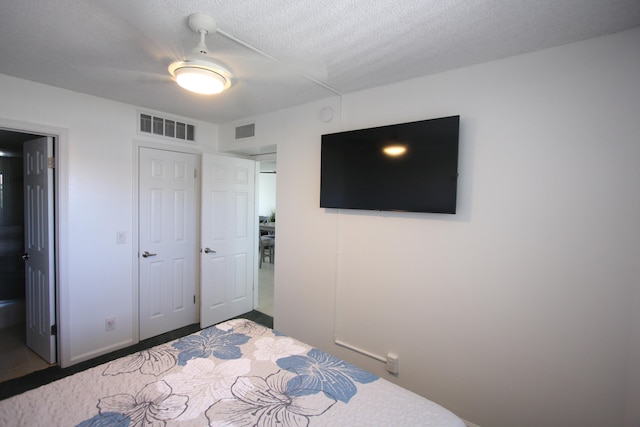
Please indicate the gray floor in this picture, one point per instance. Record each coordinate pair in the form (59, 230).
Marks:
(16, 359)
(265, 289)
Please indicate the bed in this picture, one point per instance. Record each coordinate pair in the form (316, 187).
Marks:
(237, 373)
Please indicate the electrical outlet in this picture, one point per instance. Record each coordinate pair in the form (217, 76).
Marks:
(392, 363)
(110, 324)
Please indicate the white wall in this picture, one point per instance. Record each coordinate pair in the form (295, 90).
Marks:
(518, 310)
(96, 154)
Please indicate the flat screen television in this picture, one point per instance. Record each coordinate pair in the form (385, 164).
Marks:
(411, 167)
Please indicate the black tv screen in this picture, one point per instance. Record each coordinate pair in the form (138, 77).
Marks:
(410, 167)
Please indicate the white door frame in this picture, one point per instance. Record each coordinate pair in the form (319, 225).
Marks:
(61, 229)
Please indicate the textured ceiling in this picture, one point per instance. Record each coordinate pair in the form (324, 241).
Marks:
(120, 49)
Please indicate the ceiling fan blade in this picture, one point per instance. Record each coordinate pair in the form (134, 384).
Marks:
(123, 75)
(159, 42)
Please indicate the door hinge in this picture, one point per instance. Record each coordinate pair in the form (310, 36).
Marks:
(195, 173)
(54, 329)
(51, 162)
(194, 299)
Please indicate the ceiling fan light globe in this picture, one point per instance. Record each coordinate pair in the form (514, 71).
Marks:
(200, 80)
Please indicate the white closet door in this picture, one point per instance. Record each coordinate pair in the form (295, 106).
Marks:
(167, 242)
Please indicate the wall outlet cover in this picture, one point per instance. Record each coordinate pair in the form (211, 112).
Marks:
(110, 324)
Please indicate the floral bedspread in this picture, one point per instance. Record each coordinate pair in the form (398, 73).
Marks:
(237, 373)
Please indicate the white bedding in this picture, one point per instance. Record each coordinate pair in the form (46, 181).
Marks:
(237, 373)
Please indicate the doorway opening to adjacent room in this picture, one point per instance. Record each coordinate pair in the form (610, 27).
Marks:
(267, 236)
(27, 253)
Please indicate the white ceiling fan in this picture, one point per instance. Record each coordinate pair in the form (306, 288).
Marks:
(200, 73)
(243, 75)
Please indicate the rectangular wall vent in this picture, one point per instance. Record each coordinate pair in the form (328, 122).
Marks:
(246, 131)
(159, 126)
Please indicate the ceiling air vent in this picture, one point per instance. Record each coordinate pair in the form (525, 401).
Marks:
(246, 131)
(169, 128)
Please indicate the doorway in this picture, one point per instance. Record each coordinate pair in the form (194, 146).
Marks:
(266, 213)
(16, 359)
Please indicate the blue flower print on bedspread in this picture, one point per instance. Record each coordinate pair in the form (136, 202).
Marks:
(211, 341)
(268, 402)
(109, 419)
(321, 371)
